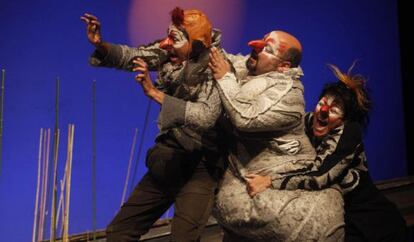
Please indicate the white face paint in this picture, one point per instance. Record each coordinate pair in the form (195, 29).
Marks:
(328, 115)
(267, 59)
(177, 36)
(334, 110)
(272, 44)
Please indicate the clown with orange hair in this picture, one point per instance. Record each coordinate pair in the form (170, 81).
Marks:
(185, 163)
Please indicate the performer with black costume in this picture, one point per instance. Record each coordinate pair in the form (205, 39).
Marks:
(341, 117)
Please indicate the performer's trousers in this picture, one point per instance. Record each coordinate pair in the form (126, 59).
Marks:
(193, 200)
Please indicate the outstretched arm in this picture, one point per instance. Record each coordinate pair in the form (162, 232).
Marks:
(120, 56)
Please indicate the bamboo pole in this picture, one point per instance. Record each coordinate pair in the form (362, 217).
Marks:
(94, 159)
(131, 155)
(41, 213)
(47, 178)
(54, 196)
(55, 165)
(68, 183)
(3, 73)
(141, 144)
(37, 185)
(64, 235)
(45, 182)
(60, 204)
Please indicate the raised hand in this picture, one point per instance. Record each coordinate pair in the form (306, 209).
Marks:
(218, 64)
(93, 29)
(144, 79)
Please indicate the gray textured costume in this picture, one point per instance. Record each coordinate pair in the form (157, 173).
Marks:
(185, 163)
(192, 102)
(267, 113)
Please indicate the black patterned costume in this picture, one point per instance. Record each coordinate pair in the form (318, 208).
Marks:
(369, 216)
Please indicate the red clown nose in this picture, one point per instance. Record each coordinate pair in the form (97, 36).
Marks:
(166, 43)
(324, 111)
(257, 45)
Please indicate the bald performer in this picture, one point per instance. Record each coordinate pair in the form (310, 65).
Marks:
(265, 106)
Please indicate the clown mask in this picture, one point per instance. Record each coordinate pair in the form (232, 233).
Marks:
(267, 54)
(176, 44)
(264, 56)
(328, 115)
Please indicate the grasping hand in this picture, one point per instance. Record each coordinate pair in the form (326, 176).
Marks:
(218, 64)
(257, 183)
(144, 79)
(93, 29)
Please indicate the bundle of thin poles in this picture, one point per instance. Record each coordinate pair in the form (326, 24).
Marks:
(41, 188)
(42, 182)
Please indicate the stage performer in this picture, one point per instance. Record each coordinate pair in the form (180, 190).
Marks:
(336, 130)
(184, 166)
(266, 110)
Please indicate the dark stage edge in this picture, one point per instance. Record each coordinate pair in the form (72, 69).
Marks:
(399, 190)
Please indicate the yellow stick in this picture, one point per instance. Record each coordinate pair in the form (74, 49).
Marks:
(68, 183)
(38, 185)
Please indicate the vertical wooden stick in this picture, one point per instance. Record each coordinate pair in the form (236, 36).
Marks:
(94, 159)
(60, 207)
(141, 144)
(41, 213)
(37, 185)
(131, 155)
(68, 183)
(45, 182)
(55, 165)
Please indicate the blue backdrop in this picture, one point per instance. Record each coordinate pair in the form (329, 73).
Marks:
(43, 40)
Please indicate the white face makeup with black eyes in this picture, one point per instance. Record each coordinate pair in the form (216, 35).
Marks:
(265, 58)
(177, 36)
(176, 44)
(328, 115)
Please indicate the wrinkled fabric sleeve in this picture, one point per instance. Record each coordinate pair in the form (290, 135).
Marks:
(239, 64)
(121, 56)
(262, 112)
(201, 113)
(333, 167)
